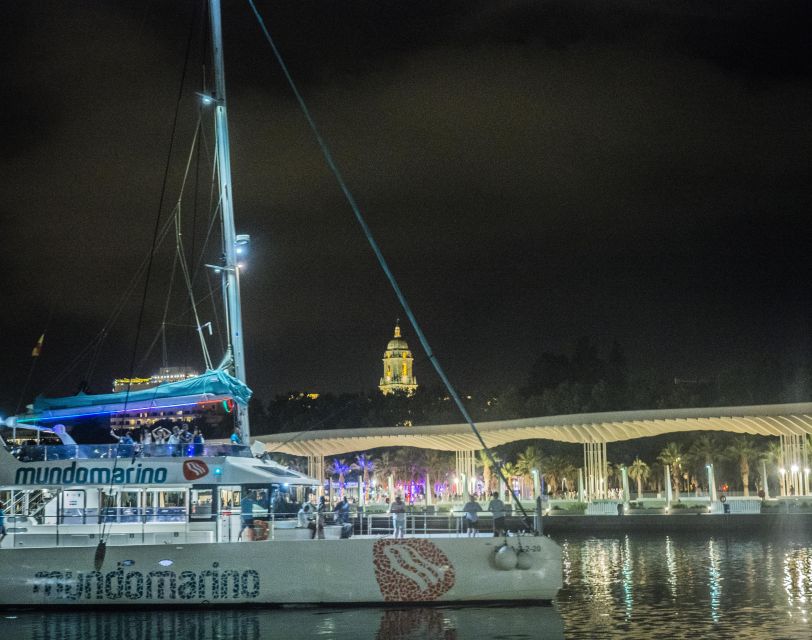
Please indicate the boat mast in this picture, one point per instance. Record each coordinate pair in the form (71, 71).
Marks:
(231, 273)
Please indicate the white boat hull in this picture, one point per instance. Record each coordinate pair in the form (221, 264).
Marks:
(280, 572)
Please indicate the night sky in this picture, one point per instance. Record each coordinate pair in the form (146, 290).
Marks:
(534, 172)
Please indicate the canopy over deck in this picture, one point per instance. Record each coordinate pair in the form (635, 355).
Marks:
(212, 386)
(766, 420)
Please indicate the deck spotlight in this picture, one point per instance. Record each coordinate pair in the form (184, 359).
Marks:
(794, 468)
(782, 471)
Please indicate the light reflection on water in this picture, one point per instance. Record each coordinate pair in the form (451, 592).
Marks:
(697, 586)
(630, 586)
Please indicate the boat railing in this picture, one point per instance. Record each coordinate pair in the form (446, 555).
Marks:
(32, 503)
(53, 452)
(428, 523)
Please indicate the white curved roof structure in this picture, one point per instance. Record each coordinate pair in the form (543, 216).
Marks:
(764, 420)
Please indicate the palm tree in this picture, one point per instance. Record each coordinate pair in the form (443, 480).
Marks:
(672, 455)
(339, 467)
(554, 472)
(657, 468)
(570, 471)
(366, 464)
(744, 451)
(774, 455)
(531, 458)
(438, 466)
(614, 472)
(386, 466)
(410, 462)
(703, 451)
(484, 461)
(639, 471)
(511, 471)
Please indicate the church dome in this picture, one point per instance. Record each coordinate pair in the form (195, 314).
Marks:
(398, 344)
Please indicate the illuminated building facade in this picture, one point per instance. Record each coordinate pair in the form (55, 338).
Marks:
(210, 413)
(397, 367)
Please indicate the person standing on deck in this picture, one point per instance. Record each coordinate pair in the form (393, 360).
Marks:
(398, 511)
(174, 441)
(303, 518)
(497, 508)
(321, 511)
(198, 441)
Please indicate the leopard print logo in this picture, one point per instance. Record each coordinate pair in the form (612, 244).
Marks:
(411, 570)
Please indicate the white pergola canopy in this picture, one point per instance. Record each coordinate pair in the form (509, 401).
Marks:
(765, 420)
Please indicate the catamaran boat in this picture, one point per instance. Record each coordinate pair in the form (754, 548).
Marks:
(128, 524)
(131, 524)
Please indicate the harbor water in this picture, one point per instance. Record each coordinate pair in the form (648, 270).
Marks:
(624, 586)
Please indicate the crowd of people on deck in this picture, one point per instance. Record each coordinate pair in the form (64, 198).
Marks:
(177, 440)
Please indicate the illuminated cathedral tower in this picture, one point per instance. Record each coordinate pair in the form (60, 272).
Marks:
(397, 367)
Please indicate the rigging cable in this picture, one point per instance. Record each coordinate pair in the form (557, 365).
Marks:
(181, 256)
(167, 165)
(328, 157)
(102, 546)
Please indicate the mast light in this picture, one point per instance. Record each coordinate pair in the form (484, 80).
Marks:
(207, 99)
(241, 243)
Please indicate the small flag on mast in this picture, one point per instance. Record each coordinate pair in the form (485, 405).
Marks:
(38, 347)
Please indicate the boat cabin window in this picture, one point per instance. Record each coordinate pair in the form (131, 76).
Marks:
(161, 499)
(130, 498)
(201, 504)
(288, 499)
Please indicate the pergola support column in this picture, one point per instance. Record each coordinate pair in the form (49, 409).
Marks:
(765, 485)
(794, 465)
(465, 464)
(596, 470)
(315, 469)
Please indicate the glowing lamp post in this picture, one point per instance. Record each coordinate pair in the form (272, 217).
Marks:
(711, 483)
